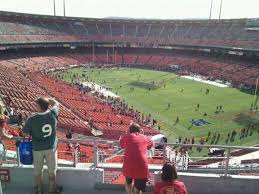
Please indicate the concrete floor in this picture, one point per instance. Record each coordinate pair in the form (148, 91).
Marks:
(30, 191)
(110, 189)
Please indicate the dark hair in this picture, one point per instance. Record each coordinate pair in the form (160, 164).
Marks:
(133, 128)
(43, 103)
(169, 172)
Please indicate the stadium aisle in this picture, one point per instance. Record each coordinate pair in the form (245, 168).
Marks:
(19, 190)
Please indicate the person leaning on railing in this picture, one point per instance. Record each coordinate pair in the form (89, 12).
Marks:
(169, 184)
(3, 123)
(135, 165)
(3, 134)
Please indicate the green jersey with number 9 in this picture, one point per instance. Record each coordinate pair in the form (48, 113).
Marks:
(42, 127)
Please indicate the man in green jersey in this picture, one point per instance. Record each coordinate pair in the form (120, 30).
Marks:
(42, 128)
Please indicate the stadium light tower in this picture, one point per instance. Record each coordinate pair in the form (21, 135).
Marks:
(220, 11)
(255, 95)
(211, 5)
(54, 2)
(64, 6)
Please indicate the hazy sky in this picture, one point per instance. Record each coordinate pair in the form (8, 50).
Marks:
(163, 9)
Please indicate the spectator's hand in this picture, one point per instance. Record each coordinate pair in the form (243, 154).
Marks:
(21, 126)
(15, 138)
(24, 135)
(52, 102)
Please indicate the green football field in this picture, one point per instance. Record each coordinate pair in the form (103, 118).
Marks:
(183, 96)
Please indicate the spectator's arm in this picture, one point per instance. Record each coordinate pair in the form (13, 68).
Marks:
(4, 135)
(53, 102)
(150, 143)
(27, 127)
(122, 142)
(54, 105)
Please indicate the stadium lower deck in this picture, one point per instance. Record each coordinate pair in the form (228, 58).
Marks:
(21, 85)
(22, 82)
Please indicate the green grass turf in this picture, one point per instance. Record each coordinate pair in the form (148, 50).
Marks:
(236, 104)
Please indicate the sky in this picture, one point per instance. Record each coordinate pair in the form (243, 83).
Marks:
(155, 9)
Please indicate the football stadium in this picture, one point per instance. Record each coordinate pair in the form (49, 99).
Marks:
(95, 101)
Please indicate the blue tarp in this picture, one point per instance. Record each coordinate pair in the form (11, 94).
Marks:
(199, 122)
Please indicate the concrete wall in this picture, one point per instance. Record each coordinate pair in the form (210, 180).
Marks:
(85, 179)
(69, 178)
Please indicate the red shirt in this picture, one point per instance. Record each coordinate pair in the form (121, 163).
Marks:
(168, 187)
(135, 164)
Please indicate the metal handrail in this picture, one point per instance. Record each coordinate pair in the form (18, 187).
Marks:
(95, 141)
(88, 140)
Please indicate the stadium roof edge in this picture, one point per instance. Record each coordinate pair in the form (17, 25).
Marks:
(78, 19)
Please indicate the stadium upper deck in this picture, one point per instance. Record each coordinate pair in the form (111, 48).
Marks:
(27, 28)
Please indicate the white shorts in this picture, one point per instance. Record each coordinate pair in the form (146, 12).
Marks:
(51, 160)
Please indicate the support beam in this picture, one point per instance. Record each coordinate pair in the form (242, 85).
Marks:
(123, 29)
(110, 26)
(97, 28)
(93, 54)
(171, 36)
(149, 28)
(136, 31)
(85, 28)
(162, 30)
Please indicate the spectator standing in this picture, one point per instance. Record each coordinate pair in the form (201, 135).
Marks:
(177, 120)
(11, 111)
(3, 123)
(68, 134)
(135, 165)
(42, 128)
(193, 140)
(77, 147)
(169, 183)
(20, 119)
